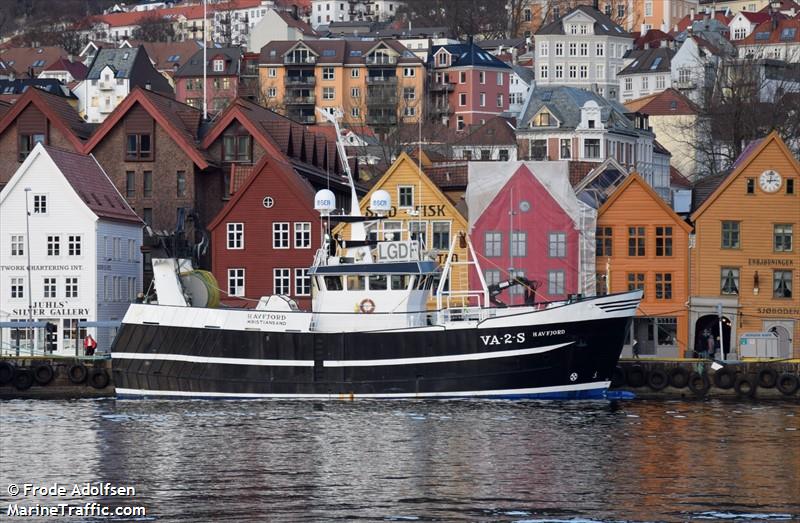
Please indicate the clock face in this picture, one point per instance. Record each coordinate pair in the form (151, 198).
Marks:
(770, 181)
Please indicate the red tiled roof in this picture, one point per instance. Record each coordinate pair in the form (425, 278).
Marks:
(92, 184)
(578, 170)
(58, 111)
(496, 131)
(301, 26)
(785, 5)
(676, 179)
(190, 12)
(239, 175)
(449, 176)
(756, 18)
(650, 37)
(666, 103)
(21, 59)
(76, 69)
(774, 34)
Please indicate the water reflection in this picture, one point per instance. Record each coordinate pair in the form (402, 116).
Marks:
(459, 460)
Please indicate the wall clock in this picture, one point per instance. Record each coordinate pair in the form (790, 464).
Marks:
(770, 181)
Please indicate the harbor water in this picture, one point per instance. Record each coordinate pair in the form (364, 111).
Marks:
(409, 461)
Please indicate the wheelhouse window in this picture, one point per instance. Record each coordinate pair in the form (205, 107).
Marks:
(377, 282)
(139, 147)
(237, 148)
(333, 283)
(27, 142)
(356, 282)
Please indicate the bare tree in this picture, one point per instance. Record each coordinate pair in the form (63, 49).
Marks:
(154, 28)
(744, 99)
(488, 18)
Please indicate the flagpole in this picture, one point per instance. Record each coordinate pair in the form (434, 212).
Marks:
(205, 59)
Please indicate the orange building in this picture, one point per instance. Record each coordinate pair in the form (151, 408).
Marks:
(745, 261)
(378, 83)
(642, 244)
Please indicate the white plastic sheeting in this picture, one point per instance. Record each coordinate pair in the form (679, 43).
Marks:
(487, 179)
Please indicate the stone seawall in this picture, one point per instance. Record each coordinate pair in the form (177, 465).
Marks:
(650, 378)
(35, 377)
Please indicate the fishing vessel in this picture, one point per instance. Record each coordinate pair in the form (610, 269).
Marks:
(371, 332)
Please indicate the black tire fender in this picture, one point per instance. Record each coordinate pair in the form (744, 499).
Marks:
(788, 384)
(43, 374)
(657, 379)
(745, 387)
(618, 377)
(679, 377)
(636, 376)
(767, 378)
(724, 378)
(699, 384)
(98, 378)
(77, 373)
(6, 373)
(23, 378)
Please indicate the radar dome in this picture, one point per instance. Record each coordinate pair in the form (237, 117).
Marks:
(324, 201)
(380, 202)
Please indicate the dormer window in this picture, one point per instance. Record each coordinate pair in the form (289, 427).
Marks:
(543, 119)
(590, 124)
(443, 59)
(219, 65)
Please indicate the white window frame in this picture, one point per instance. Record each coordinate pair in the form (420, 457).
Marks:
(17, 245)
(71, 287)
(409, 72)
(328, 93)
(284, 274)
(302, 235)
(280, 235)
(329, 73)
(235, 275)
(301, 275)
(219, 65)
(50, 287)
(39, 204)
(556, 280)
(235, 236)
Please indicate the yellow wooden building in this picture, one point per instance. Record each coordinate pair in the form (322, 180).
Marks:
(419, 210)
(745, 262)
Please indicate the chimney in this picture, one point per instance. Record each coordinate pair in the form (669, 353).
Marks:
(148, 86)
(295, 14)
(691, 13)
(469, 40)
(596, 5)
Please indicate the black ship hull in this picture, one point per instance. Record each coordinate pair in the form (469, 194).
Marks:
(569, 360)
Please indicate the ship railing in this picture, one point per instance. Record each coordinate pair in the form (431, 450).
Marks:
(464, 306)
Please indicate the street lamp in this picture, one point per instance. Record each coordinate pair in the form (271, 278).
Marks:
(28, 251)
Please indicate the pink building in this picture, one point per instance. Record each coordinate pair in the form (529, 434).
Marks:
(222, 78)
(531, 225)
(468, 85)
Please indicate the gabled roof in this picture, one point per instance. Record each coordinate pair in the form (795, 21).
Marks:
(57, 110)
(335, 51)
(755, 18)
(635, 178)
(448, 176)
(786, 31)
(467, 55)
(294, 23)
(21, 59)
(231, 56)
(686, 21)
(668, 102)
(166, 55)
(92, 185)
(656, 60)
(565, 104)
(785, 5)
(651, 38)
(749, 154)
(677, 179)
(270, 166)
(48, 85)
(120, 60)
(496, 131)
(180, 121)
(603, 25)
(76, 69)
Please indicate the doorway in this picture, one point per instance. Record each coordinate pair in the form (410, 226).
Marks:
(784, 341)
(708, 325)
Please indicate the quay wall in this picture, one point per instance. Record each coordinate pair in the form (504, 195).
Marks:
(36, 377)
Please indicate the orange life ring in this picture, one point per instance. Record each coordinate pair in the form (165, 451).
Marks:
(367, 306)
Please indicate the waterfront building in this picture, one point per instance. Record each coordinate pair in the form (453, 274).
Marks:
(525, 220)
(584, 49)
(467, 85)
(649, 72)
(377, 83)
(148, 147)
(82, 240)
(113, 74)
(222, 70)
(745, 261)
(642, 244)
(38, 117)
(420, 211)
(264, 240)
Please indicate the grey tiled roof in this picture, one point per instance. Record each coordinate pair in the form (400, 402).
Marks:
(121, 61)
(565, 104)
(603, 25)
(194, 67)
(525, 73)
(650, 61)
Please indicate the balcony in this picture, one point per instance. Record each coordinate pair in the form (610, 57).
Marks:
(381, 59)
(308, 119)
(300, 100)
(441, 110)
(299, 60)
(441, 87)
(381, 80)
(299, 81)
(106, 85)
(686, 84)
(381, 119)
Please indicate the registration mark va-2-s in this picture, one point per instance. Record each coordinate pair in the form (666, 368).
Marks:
(510, 338)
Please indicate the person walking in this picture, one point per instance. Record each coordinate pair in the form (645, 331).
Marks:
(89, 345)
